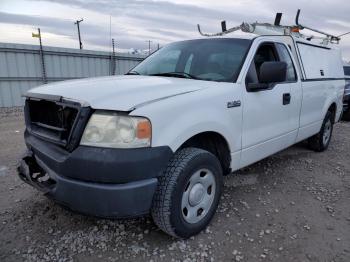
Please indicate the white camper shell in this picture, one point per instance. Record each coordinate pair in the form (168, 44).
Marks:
(159, 139)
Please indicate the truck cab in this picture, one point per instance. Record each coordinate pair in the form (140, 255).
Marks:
(159, 139)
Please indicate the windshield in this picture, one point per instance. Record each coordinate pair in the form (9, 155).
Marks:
(206, 59)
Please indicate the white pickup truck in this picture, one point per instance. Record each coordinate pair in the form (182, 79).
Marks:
(159, 139)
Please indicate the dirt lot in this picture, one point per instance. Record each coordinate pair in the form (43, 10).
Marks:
(294, 206)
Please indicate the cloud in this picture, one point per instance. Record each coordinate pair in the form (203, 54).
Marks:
(60, 26)
(135, 21)
(92, 34)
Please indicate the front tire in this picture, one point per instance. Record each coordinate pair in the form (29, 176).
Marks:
(320, 141)
(188, 193)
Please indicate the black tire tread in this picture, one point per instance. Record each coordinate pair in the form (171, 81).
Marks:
(166, 183)
(346, 116)
(316, 142)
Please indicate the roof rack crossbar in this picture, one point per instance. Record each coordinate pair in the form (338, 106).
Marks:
(330, 36)
(230, 30)
(278, 19)
(276, 29)
(223, 26)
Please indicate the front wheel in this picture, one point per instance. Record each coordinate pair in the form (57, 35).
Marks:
(188, 193)
(320, 141)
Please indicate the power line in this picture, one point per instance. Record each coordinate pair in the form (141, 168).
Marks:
(77, 23)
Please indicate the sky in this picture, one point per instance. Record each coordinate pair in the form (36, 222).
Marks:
(133, 22)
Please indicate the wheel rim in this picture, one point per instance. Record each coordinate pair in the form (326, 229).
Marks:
(198, 196)
(327, 132)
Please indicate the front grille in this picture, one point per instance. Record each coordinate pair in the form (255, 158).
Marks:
(51, 120)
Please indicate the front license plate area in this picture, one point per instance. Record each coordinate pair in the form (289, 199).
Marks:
(30, 172)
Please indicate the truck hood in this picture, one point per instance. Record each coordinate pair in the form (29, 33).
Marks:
(122, 93)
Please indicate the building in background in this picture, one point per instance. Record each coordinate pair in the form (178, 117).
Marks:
(22, 67)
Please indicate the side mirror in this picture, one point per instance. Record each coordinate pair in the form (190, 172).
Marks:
(273, 72)
(270, 72)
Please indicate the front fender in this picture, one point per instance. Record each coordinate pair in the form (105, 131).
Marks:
(177, 119)
(176, 140)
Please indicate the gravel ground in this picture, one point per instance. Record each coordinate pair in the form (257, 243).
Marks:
(293, 206)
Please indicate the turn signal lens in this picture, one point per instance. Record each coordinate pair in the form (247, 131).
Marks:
(144, 130)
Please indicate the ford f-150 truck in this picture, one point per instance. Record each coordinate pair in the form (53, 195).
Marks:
(159, 139)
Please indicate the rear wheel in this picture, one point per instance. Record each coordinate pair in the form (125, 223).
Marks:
(346, 115)
(320, 141)
(188, 193)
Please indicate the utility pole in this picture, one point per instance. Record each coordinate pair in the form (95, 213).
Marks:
(158, 46)
(41, 53)
(149, 46)
(113, 60)
(77, 23)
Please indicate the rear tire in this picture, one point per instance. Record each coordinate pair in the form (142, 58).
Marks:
(320, 141)
(188, 193)
(346, 116)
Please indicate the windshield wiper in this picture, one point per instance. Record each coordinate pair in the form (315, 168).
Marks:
(176, 74)
(133, 73)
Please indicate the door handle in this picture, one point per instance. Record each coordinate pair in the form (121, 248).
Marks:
(286, 99)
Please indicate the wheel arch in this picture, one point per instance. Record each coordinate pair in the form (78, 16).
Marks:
(333, 109)
(215, 143)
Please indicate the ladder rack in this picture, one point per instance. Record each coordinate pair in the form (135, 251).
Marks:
(276, 29)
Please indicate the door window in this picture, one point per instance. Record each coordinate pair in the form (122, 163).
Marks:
(285, 57)
(265, 53)
(270, 52)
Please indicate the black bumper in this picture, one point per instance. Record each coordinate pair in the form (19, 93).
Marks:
(96, 181)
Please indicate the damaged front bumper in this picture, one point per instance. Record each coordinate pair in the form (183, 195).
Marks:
(118, 182)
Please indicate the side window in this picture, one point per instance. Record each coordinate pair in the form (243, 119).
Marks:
(285, 57)
(265, 53)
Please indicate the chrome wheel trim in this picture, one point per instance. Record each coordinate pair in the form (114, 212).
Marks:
(198, 196)
(327, 132)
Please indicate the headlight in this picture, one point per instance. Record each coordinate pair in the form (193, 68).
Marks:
(109, 129)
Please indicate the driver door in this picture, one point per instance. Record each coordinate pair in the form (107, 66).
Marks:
(266, 124)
